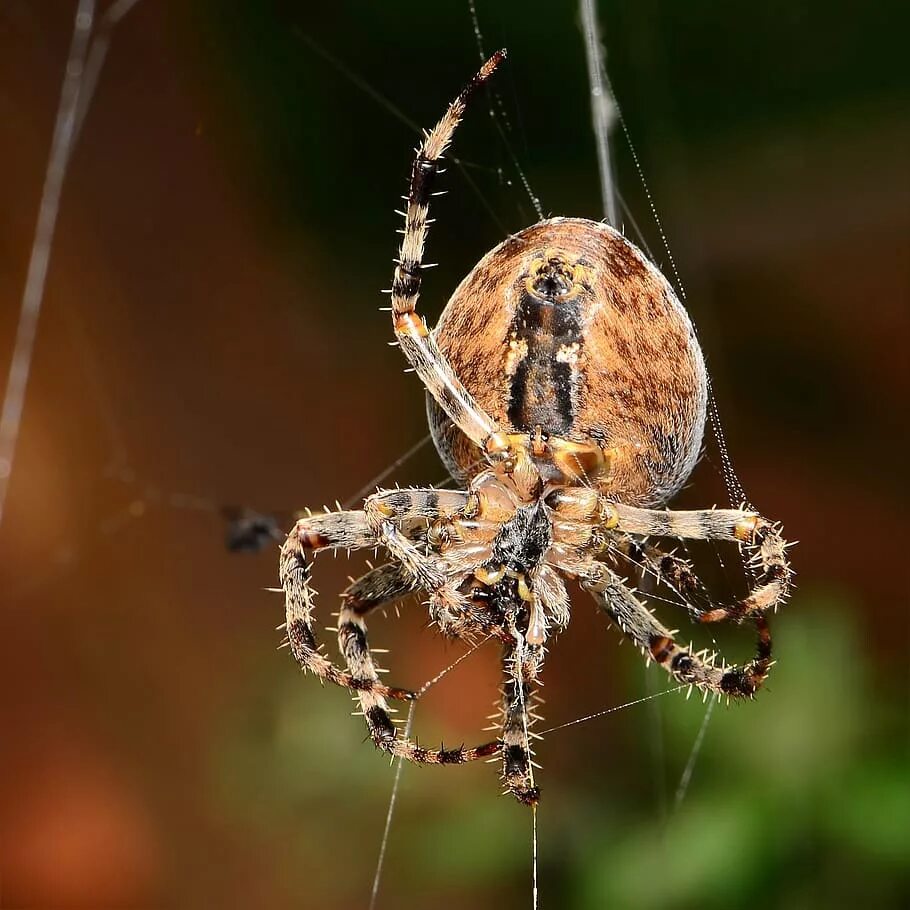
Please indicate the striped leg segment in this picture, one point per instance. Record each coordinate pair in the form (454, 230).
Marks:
(337, 530)
(394, 514)
(379, 587)
(675, 572)
(518, 716)
(657, 642)
(383, 585)
(761, 538)
(413, 335)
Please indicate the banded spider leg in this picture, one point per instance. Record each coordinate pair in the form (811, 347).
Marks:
(352, 530)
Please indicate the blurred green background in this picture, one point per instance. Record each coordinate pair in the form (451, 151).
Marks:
(210, 336)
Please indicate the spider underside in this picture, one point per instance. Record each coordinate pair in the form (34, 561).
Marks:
(567, 391)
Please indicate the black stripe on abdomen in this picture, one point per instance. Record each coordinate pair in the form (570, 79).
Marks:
(543, 388)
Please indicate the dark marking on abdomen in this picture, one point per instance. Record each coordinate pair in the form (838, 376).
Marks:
(543, 389)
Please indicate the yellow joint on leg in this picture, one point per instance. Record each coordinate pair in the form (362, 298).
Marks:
(383, 508)
(497, 443)
(609, 515)
(745, 527)
(410, 324)
(473, 508)
(509, 449)
(524, 592)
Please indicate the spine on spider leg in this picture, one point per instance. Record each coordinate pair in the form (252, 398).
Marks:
(407, 280)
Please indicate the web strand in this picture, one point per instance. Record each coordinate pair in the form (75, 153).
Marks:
(393, 798)
(360, 83)
(534, 888)
(519, 677)
(380, 862)
(613, 710)
(686, 778)
(33, 293)
(603, 109)
(381, 476)
(735, 490)
(502, 118)
(83, 69)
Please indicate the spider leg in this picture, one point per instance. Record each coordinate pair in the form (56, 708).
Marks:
(761, 538)
(335, 530)
(657, 642)
(379, 586)
(675, 572)
(411, 330)
(520, 666)
(463, 541)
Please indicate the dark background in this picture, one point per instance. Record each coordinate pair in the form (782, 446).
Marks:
(210, 337)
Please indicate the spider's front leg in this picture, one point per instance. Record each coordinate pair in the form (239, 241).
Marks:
(416, 342)
(350, 530)
(657, 642)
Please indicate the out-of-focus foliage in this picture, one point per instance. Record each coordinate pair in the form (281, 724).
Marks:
(801, 799)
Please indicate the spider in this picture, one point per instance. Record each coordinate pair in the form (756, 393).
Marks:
(567, 393)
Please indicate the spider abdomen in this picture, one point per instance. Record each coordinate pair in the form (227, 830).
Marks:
(566, 330)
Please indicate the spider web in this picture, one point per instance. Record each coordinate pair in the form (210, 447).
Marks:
(93, 33)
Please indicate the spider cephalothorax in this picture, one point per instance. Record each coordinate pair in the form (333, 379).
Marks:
(567, 392)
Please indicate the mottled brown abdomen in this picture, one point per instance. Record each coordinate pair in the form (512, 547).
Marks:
(565, 328)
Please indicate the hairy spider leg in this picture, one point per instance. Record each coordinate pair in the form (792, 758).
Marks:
(520, 667)
(761, 539)
(355, 530)
(416, 342)
(656, 642)
(378, 587)
(332, 530)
